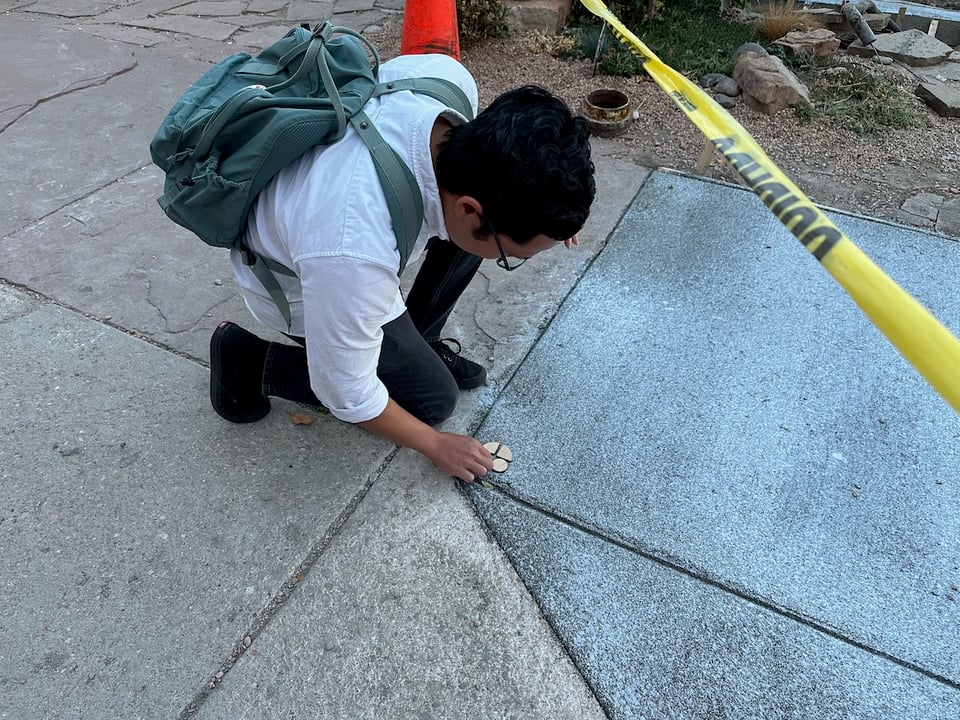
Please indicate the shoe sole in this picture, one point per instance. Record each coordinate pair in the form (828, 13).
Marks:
(216, 388)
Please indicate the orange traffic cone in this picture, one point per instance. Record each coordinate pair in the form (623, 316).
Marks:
(430, 26)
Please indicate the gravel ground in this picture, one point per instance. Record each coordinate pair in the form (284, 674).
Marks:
(836, 168)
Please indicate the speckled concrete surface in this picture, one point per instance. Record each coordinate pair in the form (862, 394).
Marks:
(658, 642)
(718, 403)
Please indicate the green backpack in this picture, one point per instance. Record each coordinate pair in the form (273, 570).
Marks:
(248, 117)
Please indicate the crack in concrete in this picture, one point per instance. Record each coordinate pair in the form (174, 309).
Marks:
(107, 321)
(482, 306)
(33, 223)
(70, 89)
(287, 588)
(205, 315)
(153, 304)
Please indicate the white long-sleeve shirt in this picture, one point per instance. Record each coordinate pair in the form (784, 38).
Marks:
(326, 218)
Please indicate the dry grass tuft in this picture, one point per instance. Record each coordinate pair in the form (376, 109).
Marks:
(555, 44)
(778, 20)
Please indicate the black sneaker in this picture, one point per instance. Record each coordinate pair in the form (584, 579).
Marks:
(236, 374)
(467, 373)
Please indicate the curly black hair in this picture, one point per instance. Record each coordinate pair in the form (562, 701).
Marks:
(526, 159)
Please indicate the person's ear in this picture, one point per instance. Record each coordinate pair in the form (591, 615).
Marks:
(467, 206)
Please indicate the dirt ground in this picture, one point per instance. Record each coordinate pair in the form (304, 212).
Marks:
(835, 167)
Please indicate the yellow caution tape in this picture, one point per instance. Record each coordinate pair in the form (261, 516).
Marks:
(922, 340)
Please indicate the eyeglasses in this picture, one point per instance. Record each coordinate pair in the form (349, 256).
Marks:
(502, 260)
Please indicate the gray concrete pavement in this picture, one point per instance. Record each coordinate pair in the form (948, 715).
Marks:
(752, 512)
(159, 562)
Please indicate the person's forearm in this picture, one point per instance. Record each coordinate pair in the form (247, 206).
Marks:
(401, 428)
(461, 456)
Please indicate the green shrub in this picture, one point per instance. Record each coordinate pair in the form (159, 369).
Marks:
(690, 36)
(480, 20)
(694, 37)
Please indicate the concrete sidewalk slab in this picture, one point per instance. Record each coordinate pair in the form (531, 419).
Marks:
(656, 642)
(70, 8)
(206, 29)
(76, 143)
(409, 613)
(207, 8)
(150, 555)
(129, 35)
(120, 259)
(142, 534)
(66, 62)
(730, 410)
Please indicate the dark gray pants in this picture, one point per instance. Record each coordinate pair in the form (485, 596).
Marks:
(414, 375)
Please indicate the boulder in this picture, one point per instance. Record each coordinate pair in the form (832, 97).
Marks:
(749, 47)
(545, 15)
(911, 47)
(819, 43)
(767, 85)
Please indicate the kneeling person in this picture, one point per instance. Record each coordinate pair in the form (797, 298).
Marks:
(515, 181)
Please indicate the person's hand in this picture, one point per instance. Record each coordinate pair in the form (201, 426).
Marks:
(458, 455)
(570, 242)
(461, 456)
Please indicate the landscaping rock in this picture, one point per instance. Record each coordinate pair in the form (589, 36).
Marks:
(911, 47)
(722, 84)
(819, 43)
(749, 47)
(725, 101)
(944, 99)
(545, 15)
(767, 85)
(727, 86)
(923, 205)
(711, 79)
(948, 219)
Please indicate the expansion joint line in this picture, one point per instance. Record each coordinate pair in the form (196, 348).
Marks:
(287, 588)
(704, 577)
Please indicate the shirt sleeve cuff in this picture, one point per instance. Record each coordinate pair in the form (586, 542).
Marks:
(369, 410)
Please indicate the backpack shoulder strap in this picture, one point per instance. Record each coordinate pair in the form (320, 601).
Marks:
(439, 89)
(404, 200)
(264, 268)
